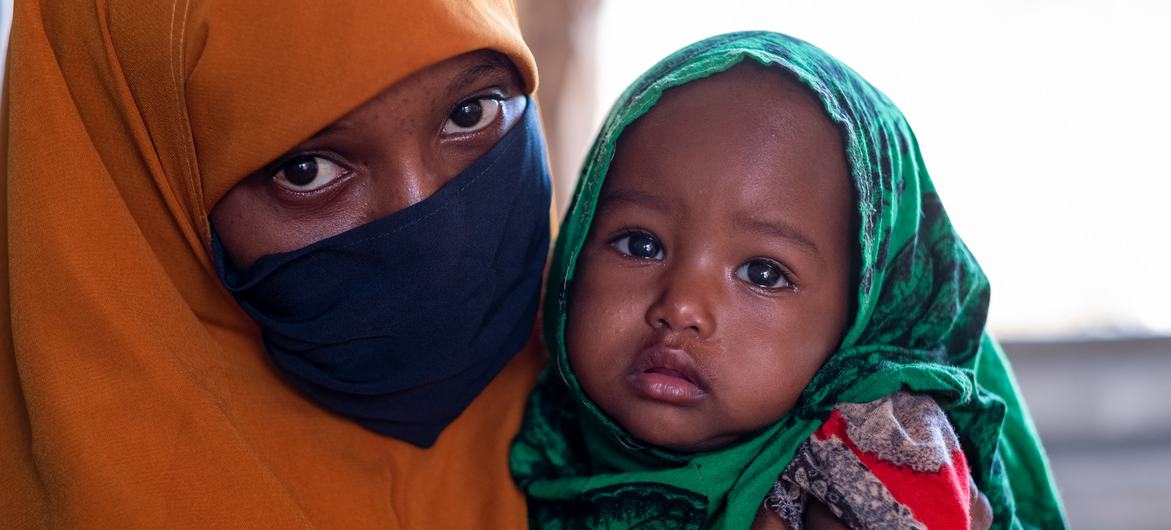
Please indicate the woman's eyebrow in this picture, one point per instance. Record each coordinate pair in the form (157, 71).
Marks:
(777, 229)
(494, 66)
(339, 126)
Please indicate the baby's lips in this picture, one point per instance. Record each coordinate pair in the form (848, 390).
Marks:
(660, 358)
(666, 388)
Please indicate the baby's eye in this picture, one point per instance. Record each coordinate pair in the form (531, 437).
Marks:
(307, 173)
(472, 115)
(640, 245)
(763, 272)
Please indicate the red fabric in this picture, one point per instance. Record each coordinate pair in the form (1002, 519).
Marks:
(940, 500)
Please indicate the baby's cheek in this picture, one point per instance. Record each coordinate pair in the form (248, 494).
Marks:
(599, 310)
(585, 340)
(767, 403)
(763, 395)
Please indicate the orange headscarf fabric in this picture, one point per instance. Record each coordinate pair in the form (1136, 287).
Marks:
(133, 390)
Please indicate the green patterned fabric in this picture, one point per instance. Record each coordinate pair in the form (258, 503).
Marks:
(919, 325)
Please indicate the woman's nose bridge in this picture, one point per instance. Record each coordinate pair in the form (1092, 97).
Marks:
(405, 179)
(417, 182)
(688, 293)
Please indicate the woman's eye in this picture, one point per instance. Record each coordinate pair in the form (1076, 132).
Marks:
(307, 173)
(472, 115)
(640, 245)
(763, 273)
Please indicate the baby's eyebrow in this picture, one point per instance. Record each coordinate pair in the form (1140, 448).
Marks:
(611, 198)
(775, 228)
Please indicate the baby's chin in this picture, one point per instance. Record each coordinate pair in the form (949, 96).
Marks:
(678, 434)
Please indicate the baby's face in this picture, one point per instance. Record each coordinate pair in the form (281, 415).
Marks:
(715, 279)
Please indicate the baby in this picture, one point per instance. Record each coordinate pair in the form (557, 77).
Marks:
(716, 277)
(730, 321)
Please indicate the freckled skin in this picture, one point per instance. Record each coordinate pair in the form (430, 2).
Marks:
(392, 152)
(746, 143)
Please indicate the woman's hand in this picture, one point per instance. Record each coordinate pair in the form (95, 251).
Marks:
(767, 519)
(980, 509)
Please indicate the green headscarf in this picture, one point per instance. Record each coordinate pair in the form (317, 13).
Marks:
(919, 325)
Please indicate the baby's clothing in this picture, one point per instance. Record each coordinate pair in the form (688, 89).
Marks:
(892, 463)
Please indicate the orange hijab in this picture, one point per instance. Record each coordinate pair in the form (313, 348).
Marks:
(133, 390)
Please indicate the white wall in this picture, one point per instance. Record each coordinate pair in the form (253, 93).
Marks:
(1045, 125)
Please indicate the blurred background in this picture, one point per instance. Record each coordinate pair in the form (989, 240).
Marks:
(1043, 123)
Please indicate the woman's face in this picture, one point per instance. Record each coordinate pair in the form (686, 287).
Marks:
(391, 152)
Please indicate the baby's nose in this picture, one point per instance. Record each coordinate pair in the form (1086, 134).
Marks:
(684, 306)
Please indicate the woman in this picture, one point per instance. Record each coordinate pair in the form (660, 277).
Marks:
(136, 391)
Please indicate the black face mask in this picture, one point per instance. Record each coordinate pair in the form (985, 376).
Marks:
(400, 323)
